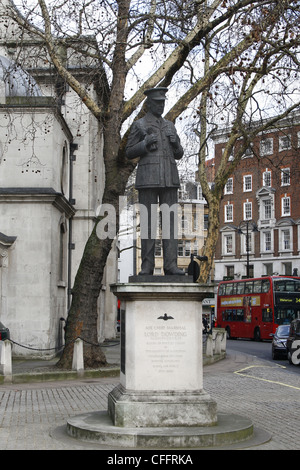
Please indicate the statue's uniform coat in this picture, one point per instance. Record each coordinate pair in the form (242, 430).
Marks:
(157, 168)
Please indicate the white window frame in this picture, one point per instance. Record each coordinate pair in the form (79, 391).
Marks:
(285, 176)
(266, 146)
(228, 212)
(267, 241)
(229, 186)
(267, 205)
(267, 174)
(227, 237)
(285, 142)
(285, 206)
(285, 239)
(247, 183)
(247, 210)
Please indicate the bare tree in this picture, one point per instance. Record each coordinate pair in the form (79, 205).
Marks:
(212, 54)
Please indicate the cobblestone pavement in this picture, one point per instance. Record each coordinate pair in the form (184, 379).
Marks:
(33, 416)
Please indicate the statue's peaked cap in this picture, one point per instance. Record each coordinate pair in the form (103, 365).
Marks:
(158, 93)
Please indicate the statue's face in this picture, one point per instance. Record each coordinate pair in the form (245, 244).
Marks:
(156, 107)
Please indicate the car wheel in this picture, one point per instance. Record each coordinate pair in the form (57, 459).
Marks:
(274, 355)
(289, 357)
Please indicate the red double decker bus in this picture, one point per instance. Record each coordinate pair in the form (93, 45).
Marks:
(253, 308)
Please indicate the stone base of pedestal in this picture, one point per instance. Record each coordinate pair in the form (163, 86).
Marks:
(161, 409)
(231, 431)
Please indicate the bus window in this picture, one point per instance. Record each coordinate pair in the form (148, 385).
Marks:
(248, 287)
(290, 286)
(265, 285)
(240, 288)
(257, 287)
(287, 285)
(266, 314)
(279, 286)
(226, 315)
(228, 289)
(240, 314)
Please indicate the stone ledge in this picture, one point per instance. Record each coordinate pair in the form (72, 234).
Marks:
(161, 409)
(230, 429)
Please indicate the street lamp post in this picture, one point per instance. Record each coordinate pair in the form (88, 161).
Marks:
(240, 232)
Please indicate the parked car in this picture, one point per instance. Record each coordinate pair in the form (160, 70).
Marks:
(279, 342)
(291, 345)
(4, 332)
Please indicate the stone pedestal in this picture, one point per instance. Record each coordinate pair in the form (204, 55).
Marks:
(160, 402)
(161, 357)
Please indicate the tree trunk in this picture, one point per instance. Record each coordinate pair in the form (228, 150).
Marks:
(83, 314)
(211, 240)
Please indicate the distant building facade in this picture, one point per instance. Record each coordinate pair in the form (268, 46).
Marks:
(260, 209)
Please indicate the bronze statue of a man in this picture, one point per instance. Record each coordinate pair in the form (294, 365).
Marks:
(155, 141)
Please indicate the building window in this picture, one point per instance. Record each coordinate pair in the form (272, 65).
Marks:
(184, 248)
(285, 206)
(286, 239)
(247, 183)
(268, 269)
(267, 209)
(266, 146)
(187, 248)
(229, 186)
(285, 176)
(195, 248)
(267, 179)
(251, 270)
(228, 245)
(287, 269)
(230, 272)
(180, 248)
(284, 142)
(62, 249)
(247, 210)
(267, 241)
(228, 213)
(184, 224)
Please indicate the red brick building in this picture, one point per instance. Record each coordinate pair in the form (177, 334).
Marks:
(261, 206)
